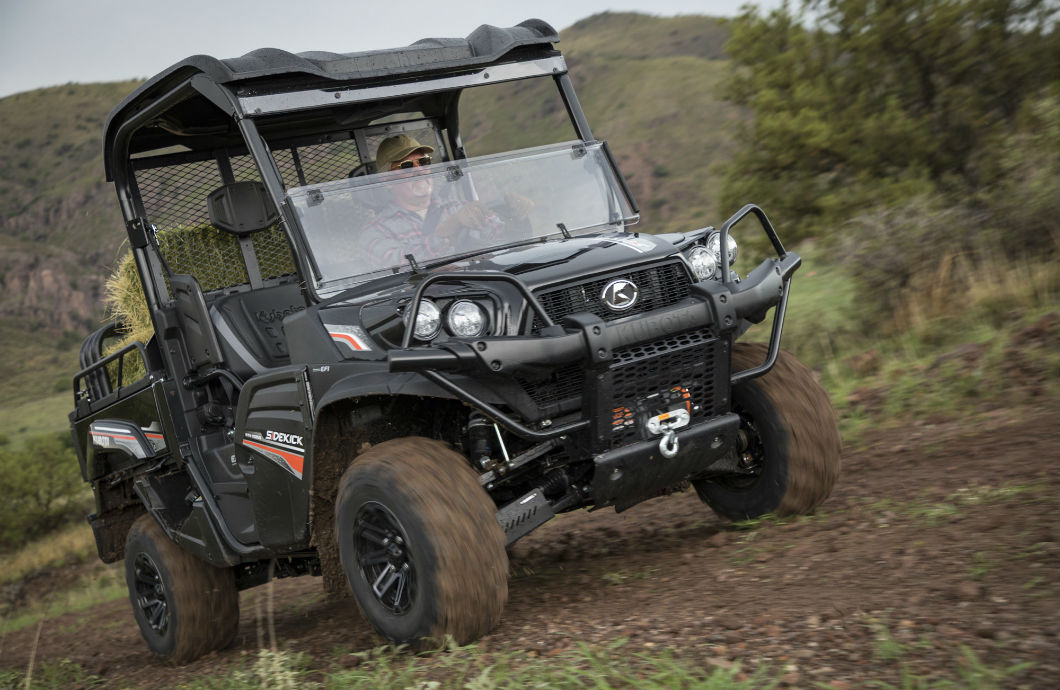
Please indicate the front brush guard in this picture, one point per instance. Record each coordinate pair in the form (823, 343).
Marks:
(588, 339)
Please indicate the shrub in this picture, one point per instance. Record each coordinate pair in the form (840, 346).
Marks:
(43, 488)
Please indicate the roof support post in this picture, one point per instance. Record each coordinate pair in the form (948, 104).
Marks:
(574, 108)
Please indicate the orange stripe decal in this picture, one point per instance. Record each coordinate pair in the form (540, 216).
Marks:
(348, 339)
(293, 461)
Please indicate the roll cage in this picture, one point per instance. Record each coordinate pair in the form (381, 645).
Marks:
(289, 120)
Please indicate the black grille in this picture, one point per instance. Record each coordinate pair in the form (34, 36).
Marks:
(655, 377)
(646, 380)
(657, 286)
(563, 384)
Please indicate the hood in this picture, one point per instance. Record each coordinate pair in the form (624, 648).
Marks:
(557, 260)
(562, 259)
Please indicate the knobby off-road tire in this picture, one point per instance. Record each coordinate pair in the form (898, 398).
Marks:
(184, 606)
(793, 441)
(420, 543)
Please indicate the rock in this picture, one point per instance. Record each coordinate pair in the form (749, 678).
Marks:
(968, 590)
(916, 598)
(729, 622)
(949, 631)
(345, 661)
(987, 631)
(718, 540)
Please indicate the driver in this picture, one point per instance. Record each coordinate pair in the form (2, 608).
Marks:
(418, 222)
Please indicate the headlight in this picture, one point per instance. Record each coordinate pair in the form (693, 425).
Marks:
(428, 320)
(714, 247)
(466, 319)
(703, 263)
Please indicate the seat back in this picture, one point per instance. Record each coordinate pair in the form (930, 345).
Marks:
(197, 328)
(250, 327)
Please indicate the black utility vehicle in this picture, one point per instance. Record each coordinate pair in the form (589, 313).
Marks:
(391, 406)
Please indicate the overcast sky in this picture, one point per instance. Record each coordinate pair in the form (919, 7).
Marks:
(51, 42)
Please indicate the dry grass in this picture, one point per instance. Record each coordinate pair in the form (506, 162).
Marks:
(124, 296)
(71, 544)
(202, 251)
(982, 284)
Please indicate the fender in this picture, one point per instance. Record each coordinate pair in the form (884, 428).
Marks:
(385, 383)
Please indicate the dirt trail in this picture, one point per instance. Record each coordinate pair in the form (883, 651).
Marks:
(946, 537)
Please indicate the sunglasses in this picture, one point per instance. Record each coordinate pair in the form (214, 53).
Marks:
(405, 165)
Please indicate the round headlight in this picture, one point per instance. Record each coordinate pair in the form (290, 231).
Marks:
(703, 263)
(466, 319)
(428, 320)
(714, 246)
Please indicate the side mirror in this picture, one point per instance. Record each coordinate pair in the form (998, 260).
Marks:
(241, 207)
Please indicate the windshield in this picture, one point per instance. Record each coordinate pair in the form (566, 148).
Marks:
(360, 228)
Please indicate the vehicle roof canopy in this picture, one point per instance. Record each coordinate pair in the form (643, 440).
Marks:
(270, 70)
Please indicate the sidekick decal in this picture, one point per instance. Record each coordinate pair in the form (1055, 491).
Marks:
(289, 457)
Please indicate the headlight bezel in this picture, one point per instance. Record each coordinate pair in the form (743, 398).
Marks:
(702, 254)
(428, 320)
(451, 312)
(713, 245)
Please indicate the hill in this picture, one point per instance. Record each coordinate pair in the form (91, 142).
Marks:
(647, 84)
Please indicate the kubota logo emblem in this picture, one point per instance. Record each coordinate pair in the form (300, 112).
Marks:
(620, 295)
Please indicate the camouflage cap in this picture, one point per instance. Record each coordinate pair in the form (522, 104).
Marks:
(395, 148)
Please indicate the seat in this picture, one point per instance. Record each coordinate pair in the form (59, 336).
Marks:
(249, 326)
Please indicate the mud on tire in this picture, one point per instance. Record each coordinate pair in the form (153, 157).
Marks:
(793, 441)
(420, 543)
(184, 606)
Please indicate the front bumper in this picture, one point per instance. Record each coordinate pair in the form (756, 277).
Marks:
(632, 368)
(597, 346)
(626, 475)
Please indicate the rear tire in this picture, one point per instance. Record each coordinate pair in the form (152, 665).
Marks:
(420, 543)
(184, 606)
(792, 441)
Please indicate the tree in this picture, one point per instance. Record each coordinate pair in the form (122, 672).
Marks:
(863, 102)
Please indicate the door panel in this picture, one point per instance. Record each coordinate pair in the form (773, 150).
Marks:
(273, 435)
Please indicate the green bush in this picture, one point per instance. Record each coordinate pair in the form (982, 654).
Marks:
(860, 104)
(43, 489)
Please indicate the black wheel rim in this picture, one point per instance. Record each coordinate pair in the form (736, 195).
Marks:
(381, 546)
(151, 594)
(751, 457)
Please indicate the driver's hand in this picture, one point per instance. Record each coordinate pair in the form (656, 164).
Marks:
(474, 215)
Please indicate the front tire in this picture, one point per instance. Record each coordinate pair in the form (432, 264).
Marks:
(420, 543)
(184, 606)
(792, 444)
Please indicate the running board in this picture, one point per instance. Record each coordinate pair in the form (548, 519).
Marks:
(523, 515)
